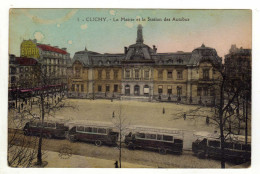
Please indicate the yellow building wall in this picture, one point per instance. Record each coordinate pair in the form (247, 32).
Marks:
(103, 81)
(29, 49)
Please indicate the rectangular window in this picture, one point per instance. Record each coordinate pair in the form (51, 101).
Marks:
(167, 138)
(169, 74)
(107, 74)
(59, 125)
(82, 88)
(237, 146)
(205, 74)
(228, 145)
(77, 88)
(73, 87)
(246, 147)
(179, 90)
(159, 137)
(100, 74)
(160, 89)
(169, 89)
(127, 73)
(115, 88)
(99, 88)
(146, 74)
(51, 125)
(214, 143)
(205, 90)
(179, 74)
(107, 88)
(136, 73)
(102, 130)
(95, 130)
(88, 129)
(150, 136)
(80, 128)
(77, 72)
(140, 135)
(199, 92)
(160, 74)
(115, 74)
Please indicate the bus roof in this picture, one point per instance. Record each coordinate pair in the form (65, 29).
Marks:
(216, 136)
(90, 123)
(158, 130)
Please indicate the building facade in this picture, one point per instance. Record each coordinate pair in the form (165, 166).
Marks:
(141, 73)
(52, 58)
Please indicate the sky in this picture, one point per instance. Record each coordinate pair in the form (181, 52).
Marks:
(69, 28)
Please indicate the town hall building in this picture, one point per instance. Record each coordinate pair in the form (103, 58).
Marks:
(141, 73)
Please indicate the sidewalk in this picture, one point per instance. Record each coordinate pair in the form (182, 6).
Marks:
(76, 161)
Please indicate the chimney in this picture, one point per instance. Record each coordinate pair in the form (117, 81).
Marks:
(65, 49)
(126, 50)
(154, 49)
(56, 46)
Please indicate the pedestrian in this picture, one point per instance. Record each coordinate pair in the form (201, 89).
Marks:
(207, 120)
(163, 111)
(184, 116)
(116, 164)
(22, 105)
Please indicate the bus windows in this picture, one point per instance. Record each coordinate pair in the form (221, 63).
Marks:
(150, 136)
(237, 146)
(88, 129)
(39, 124)
(159, 137)
(95, 130)
(140, 135)
(214, 143)
(228, 145)
(246, 147)
(102, 130)
(33, 124)
(80, 128)
(59, 125)
(167, 138)
(51, 125)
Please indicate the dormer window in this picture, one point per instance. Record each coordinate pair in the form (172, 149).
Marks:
(160, 62)
(108, 62)
(100, 62)
(170, 61)
(180, 61)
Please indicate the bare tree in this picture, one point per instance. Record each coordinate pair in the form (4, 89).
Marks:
(222, 115)
(49, 98)
(121, 124)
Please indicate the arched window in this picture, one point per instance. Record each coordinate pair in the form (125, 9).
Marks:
(146, 90)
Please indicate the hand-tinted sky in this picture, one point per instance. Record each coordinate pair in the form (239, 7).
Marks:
(68, 28)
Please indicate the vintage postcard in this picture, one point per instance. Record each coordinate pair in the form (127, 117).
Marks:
(129, 88)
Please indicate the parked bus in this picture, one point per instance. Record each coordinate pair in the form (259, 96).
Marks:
(89, 132)
(50, 129)
(235, 149)
(161, 139)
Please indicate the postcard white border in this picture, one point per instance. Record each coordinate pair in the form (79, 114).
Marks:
(162, 4)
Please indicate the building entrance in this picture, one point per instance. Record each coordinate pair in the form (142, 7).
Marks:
(136, 90)
(127, 90)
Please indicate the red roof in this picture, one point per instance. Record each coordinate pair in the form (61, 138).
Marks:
(26, 61)
(52, 49)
